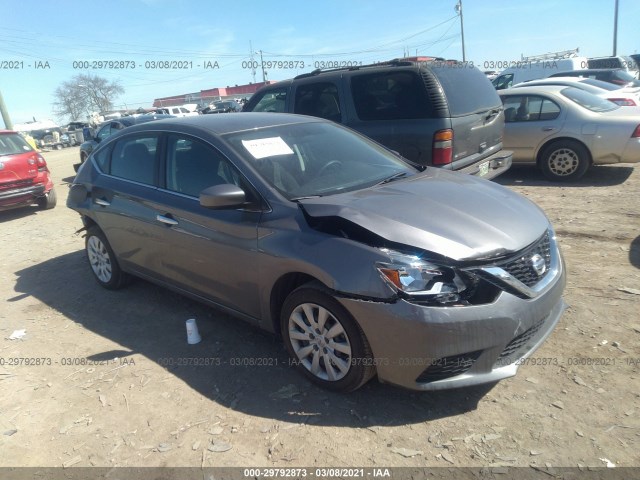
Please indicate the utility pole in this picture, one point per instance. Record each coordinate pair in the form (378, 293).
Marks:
(458, 9)
(264, 75)
(5, 114)
(253, 67)
(615, 30)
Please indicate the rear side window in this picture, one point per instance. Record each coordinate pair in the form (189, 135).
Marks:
(134, 158)
(318, 100)
(529, 108)
(271, 101)
(13, 143)
(467, 89)
(390, 96)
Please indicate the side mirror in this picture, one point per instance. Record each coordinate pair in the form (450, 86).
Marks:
(222, 196)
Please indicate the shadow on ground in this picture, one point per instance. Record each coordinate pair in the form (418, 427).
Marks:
(634, 252)
(597, 176)
(15, 213)
(150, 321)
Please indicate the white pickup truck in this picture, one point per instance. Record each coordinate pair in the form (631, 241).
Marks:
(176, 111)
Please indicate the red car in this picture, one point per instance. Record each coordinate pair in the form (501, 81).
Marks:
(24, 176)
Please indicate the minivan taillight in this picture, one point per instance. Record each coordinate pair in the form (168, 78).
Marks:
(442, 151)
(623, 102)
(636, 132)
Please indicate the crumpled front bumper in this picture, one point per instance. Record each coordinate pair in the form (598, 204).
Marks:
(436, 348)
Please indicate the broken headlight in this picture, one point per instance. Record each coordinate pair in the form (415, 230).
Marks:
(412, 275)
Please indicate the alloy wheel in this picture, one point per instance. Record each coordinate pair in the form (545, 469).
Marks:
(320, 342)
(99, 259)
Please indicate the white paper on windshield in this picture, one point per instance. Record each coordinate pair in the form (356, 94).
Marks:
(267, 147)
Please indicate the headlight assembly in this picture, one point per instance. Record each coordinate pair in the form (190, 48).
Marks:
(414, 276)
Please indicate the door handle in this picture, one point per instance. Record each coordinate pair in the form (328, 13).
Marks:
(548, 129)
(101, 202)
(166, 220)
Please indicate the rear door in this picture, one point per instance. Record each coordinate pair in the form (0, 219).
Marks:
(18, 161)
(208, 252)
(530, 121)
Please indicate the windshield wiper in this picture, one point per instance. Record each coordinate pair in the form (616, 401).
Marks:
(393, 177)
(295, 199)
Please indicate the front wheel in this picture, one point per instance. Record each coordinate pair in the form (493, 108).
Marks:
(324, 341)
(103, 261)
(564, 161)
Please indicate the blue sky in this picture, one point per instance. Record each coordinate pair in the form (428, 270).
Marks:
(306, 32)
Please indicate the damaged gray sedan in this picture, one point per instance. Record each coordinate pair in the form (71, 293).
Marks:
(365, 264)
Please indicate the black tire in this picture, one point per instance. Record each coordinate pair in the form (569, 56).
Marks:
(48, 201)
(358, 365)
(564, 161)
(102, 261)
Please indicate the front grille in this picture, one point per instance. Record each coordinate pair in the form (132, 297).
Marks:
(521, 266)
(514, 348)
(447, 367)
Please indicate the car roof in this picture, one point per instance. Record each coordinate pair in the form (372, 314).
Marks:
(230, 122)
(534, 89)
(128, 121)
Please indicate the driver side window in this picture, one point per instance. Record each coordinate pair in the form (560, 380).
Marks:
(272, 101)
(193, 166)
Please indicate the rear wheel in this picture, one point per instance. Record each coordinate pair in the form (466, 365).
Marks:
(564, 161)
(325, 342)
(48, 201)
(103, 261)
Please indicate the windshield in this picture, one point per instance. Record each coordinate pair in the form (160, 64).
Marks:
(13, 143)
(588, 100)
(316, 159)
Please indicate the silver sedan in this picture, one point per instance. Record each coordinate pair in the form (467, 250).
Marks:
(565, 130)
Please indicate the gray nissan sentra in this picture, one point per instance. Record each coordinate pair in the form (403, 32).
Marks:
(365, 264)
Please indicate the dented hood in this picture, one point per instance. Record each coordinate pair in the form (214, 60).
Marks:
(451, 214)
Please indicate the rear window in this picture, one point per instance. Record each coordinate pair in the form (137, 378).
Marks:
(589, 101)
(600, 84)
(13, 143)
(467, 89)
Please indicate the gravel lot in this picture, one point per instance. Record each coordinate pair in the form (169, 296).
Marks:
(100, 377)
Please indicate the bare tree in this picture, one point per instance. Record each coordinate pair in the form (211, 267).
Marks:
(83, 94)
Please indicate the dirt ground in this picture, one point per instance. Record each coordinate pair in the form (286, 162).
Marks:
(103, 378)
